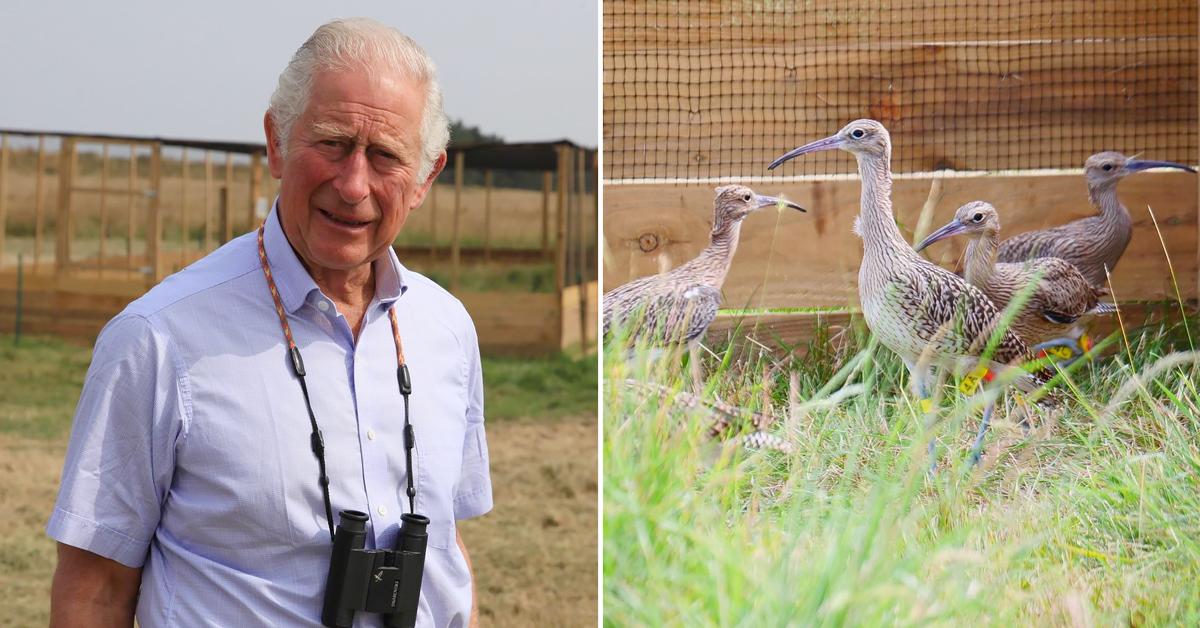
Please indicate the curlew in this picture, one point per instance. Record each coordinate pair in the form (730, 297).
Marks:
(1058, 295)
(677, 306)
(1093, 244)
(927, 315)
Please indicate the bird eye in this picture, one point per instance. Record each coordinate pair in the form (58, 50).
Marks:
(977, 217)
(857, 134)
(746, 197)
(1106, 167)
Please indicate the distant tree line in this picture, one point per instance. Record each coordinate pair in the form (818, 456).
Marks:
(462, 134)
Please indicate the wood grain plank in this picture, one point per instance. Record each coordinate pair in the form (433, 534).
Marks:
(791, 259)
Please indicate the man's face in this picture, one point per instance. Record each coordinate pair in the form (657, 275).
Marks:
(349, 179)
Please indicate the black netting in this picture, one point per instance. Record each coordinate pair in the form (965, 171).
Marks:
(718, 89)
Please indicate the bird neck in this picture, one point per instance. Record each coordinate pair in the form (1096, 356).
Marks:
(713, 262)
(981, 259)
(877, 224)
(1113, 214)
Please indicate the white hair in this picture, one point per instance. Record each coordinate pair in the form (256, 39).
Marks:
(361, 44)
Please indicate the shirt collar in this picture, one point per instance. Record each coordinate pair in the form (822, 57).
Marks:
(295, 284)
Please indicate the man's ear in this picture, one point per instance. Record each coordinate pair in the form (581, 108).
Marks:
(438, 166)
(274, 151)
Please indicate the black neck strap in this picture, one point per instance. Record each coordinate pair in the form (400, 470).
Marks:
(318, 443)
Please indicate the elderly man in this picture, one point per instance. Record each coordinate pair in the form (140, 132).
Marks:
(194, 490)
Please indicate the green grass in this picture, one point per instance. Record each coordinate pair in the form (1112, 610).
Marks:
(1092, 518)
(558, 386)
(41, 379)
(498, 278)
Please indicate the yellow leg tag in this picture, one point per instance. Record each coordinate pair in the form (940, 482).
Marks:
(970, 382)
(1061, 353)
(926, 405)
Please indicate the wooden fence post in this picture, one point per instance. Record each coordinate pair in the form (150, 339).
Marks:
(487, 215)
(39, 203)
(455, 243)
(547, 186)
(3, 193)
(130, 230)
(66, 167)
(183, 198)
(433, 205)
(208, 182)
(560, 256)
(154, 215)
(102, 250)
(581, 248)
(256, 173)
(227, 208)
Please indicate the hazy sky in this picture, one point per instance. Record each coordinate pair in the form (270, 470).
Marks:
(523, 69)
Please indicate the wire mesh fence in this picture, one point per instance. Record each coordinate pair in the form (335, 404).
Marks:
(715, 90)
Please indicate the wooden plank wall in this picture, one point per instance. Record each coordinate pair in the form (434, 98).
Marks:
(788, 259)
(711, 89)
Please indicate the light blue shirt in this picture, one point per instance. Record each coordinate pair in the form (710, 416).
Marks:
(190, 456)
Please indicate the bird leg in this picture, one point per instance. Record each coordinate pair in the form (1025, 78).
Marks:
(977, 447)
(694, 369)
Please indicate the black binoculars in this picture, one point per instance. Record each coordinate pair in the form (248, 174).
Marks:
(375, 581)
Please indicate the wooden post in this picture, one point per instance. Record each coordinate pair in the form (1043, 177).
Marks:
(226, 208)
(39, 203)
(455, 244)
(487, 215)
(547, 186)
(580, 268)
(433, 221)
(183, 197)
(154, 215)
(100, 254)
(208, 182)
(129, 223)
(3, 193)
(255, 190)
(560, 257)
(66, 174)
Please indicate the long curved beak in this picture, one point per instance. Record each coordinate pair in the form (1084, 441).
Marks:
(761, 201)
(830, 143)
(948, 230)
(1134, 165)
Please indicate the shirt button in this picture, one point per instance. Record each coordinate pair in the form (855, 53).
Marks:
(370, 434)
(323, 306)
(382, 511)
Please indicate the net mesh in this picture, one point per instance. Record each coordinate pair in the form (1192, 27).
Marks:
(716, 90)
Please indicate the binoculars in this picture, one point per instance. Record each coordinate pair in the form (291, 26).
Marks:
(375, 581)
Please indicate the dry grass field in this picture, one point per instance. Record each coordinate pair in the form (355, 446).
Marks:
(534, 555)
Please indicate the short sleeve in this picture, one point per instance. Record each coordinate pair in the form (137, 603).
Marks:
(473, 495)
(121, 454)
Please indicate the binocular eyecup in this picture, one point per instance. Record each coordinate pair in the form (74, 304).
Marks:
(375, 581)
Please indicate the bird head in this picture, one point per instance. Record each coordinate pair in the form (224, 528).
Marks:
(976, 217)
(861, 137)
(734, 202)
(1106, 168)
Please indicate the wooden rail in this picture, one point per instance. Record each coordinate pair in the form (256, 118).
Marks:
(788, 259)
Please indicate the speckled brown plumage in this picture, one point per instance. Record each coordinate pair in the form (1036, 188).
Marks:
(677, 306)
(924, 313)
(1060, 294)
(1094, 243)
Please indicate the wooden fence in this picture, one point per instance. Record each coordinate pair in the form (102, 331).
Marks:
(792, 260)
(137, 209)
(1000, 102)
